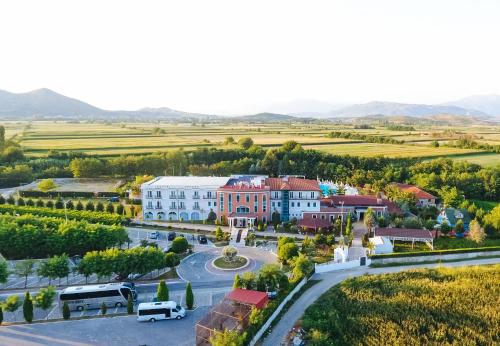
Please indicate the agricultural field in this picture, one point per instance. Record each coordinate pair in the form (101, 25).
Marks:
(443, 306)
(112, 139)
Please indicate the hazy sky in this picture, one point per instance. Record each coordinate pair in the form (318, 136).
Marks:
(235, 56)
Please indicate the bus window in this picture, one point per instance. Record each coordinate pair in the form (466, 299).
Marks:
(125, 292)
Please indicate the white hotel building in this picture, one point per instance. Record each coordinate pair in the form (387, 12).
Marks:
(180, 198)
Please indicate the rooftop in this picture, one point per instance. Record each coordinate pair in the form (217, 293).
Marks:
(293, 184)
(403, 233)
(418, 192)
(250, 297)
(186, 181)
(361, 201)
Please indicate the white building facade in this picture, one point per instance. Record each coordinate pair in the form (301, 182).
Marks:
(180, 198)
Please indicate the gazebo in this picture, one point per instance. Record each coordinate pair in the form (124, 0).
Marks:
(406, 234)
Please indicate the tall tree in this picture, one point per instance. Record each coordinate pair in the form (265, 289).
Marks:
(28, 308)
(24, 269)
(476, 232)
(4, 271)
(162, 291)
(189, 296)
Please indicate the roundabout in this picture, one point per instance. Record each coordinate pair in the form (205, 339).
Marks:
(239, 262)
(200, 268)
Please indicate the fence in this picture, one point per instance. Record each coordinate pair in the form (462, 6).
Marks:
(276, 312)
(333, 266)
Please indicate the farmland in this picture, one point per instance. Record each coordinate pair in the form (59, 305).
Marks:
(37, 138)
(417, 307)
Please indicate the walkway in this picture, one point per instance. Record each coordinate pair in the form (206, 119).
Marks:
(328, 280)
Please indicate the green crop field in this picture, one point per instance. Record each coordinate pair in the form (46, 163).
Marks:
(440, 306)
(37, 138)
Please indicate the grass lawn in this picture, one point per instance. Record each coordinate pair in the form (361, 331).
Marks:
(237, 262)
(444, 243)
(442, 306)
(486, 205)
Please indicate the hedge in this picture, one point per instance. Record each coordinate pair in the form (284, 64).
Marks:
(90, 216)
(70, 194)
(435, 252)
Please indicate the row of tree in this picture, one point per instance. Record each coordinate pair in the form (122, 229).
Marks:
(43, 300)
(30, 236)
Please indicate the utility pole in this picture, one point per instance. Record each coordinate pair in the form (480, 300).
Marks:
(341, 217)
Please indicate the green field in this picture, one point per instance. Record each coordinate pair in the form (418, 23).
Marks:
(441, 306)
(38, 137)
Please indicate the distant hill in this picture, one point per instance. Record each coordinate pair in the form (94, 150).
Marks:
(265, 118)
(44, 102)
(489, 104)
(393, 108)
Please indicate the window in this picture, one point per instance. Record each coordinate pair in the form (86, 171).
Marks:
(255, 199)
(196, 205)
(158, 205)
(89, 295)
(273, 204)
(209, 203)
(181, 205)
(292, 204)
(172, 194)
(314, 204)
(182, 194)
(300, 194)
(308, 204)
(255, 208)
(172, 205)
(276, 194)
(158, 194)
(150, 204)
(215, 204)
(230, 202)
(314, 216)
(196, 194)
(312, 195)
(279, 204)
(149, 194)
(209, 194)
(298, 204)
(291, 194)
(243, 209)
(323, 216)
(247, 198)
(237, 198)
(221, 202)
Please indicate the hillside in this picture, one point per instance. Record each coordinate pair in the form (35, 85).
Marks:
(265, 118)
(393, 108)
(489, 104)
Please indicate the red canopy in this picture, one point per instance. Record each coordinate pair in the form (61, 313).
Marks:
(250, 297)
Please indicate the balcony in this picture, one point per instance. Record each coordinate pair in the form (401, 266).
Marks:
(158, 207)
(182, 207)
(211, 197)
(195, 197)
(196, 207)
(172, 207)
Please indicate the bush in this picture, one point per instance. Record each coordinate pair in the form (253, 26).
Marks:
(104, 309)
(130, 305)
(162, 292)
(66, 313)
(179, 245)
(189, 296)
(28, 308)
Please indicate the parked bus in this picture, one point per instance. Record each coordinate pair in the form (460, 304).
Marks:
(159, 311)
(92, 296)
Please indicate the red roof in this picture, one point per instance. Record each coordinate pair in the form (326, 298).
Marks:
(418, 192)
(255, 298)
(314, 223)
(293, 184)
(403, 233)
(361, 201)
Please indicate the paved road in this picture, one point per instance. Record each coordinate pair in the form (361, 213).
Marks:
(328, 280)
(104, 331)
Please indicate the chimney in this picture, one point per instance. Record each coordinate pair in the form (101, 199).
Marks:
(379, 201)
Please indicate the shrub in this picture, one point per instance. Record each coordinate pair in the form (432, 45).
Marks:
(104, 309)
(99, 207)
(66, 313)
(189, 296)
(47, 185)
(130, 305)
(179, 245)
(21, 202)
(162, 292)
(89, 206)
(28, 308)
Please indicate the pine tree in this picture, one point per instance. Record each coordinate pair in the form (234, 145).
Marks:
(1, 314)
(189, 296)
(99, 207)
(162, 292)
(28, 308)
(65, 311)
(39, 203)
(237, 282)
(120, 209)
(110, 208)
(104, 309)
(130, 305)
(79, 206)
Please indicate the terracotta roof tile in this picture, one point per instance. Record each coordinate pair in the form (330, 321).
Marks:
(293, 184)
(421, 194)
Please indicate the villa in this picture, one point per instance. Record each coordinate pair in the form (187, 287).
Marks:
(424, 199)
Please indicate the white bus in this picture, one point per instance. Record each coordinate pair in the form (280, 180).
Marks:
(92, 296)
(159, 311)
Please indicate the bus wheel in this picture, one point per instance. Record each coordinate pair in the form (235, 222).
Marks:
(118, 305)
(178, 317)
(152, 320)
(79, 308)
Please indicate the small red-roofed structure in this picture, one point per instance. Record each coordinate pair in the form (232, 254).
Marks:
(256, 298)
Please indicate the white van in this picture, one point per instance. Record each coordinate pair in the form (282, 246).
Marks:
(160, 311)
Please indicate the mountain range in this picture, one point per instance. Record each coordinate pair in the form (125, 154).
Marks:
(45, 103)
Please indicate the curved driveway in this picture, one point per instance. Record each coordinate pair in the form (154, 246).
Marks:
(197, 267)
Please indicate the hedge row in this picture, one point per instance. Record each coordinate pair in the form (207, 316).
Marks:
(71, 194)
(90, 216)
(29, 236)
(435, 252)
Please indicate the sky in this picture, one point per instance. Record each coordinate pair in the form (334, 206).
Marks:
(237, 57)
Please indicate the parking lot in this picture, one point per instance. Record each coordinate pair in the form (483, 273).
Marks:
(123, 330)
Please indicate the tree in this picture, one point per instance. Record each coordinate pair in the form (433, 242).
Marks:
(189, 296)
(219, 234)
(287, 251)
(130, 305)
(4, 271)
(24, 269)
(2, 199)
(451, 196)
(171, 260)
(245, 142)
(79, 206)
(229, 253)
(12, 303)
(20, 202)
(120, 209)
(179, 245)
(162, 292)
(66, 312)
(476, 232)
(30, 203)
(369, 220)
(211, 216)
(28, 308)
(89, 206)
(86, 167)
(1, 314)
(110, 208)
(237, 281)
(99, 207)
(492, 220)
(276, 218)
(302, 267)
(11, 200)
(104, 308)
(229, 140)
(228, 338)
(47, 185)
(39, 203)
(348, 227)
(371, 247)
(45, 297)
(459, 227)
(445, 228)
(56, 267)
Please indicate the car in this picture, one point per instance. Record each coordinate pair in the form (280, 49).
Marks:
(114, 199)
(171, 236)
(202, 239)
(154, 235)
(134, 276)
